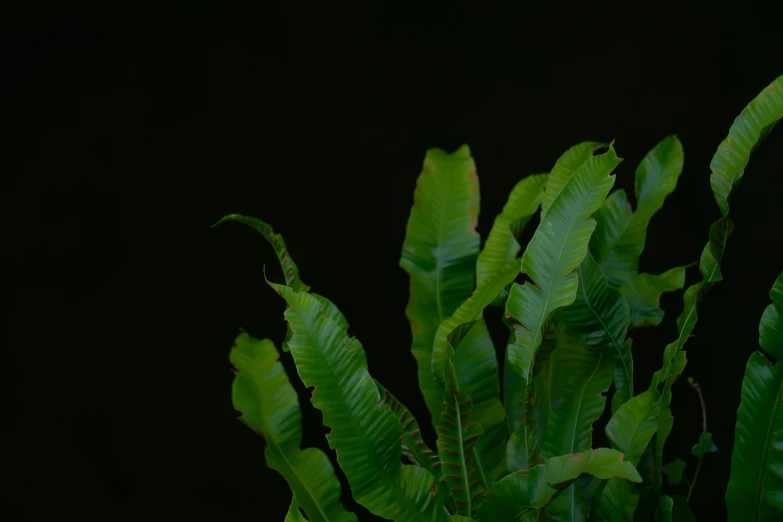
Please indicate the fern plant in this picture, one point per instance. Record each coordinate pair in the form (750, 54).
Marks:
(526, 453)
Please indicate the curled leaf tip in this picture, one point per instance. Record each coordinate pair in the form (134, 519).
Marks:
(229, 217)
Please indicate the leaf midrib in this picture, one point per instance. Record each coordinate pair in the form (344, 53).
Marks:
(439, 258)
(463, 459)
(606, 329)
(548, 293)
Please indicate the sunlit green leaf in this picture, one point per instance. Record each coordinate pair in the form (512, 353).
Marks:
(439, 254)
(365, 437)
(557, 248)
(269, 405)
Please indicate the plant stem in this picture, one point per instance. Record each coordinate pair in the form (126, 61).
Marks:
(696, 387)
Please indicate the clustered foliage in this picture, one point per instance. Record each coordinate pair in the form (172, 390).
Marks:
(526, 453)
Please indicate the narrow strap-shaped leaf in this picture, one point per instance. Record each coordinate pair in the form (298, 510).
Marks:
(755, 491)
(502, 246)
(269, 405)
(457, 436)
(287, 264)
(728, 168)
(366, 437)
(529, 491)
(618, 252)
(439, 253)
(557, 248)
(565, 167)
(290, 270)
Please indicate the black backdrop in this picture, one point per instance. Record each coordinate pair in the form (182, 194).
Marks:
(129, 130)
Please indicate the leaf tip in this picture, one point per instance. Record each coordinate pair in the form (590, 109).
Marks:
(228, 217)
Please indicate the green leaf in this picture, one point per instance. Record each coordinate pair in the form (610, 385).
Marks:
(586, 375)
(633, 425)
(457, 435)
(629, 431)
(755, 490)
(643, 293)
(290, 270)
(681, 511)
(601, 314)
(365, 437)
(460, 518)
(287, 264)
(439, 253)
(477, 366)
(615, 501)
(612, 221)
(567, 165)
(674, 470)
(531, 490)
(413, 446)
(665, 509)
(548, 392)
(294, 515)
(557, 248)
(269, 405)
(705, 445)
(451, 330)
(618, 251)
(501, 246)
(728, 169)
(464, 349)
(748, 130)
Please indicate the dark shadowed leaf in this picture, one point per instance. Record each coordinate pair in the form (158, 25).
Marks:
(728, 169)
(705, 445)
(674, 470)
(755, 491)
(531, 490)
(457, 436)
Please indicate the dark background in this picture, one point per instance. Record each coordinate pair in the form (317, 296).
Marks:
(129, 130)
